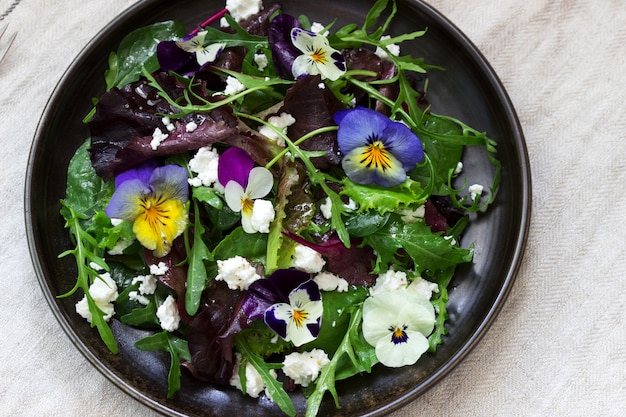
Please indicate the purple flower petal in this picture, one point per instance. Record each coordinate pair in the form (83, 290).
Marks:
(124, 202)
(359, 126)
(283, 50)
(404, 144)
(264, 293)
(142, 173)
(274, 323)
(170, 181)
(172, 58)
(234, 164)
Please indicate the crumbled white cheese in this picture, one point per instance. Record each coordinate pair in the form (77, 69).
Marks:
(157, 138)
(389, 281)
(147, 284)
(327, 281)
(168, 315)
(243, 9)
(104, 292)
(160, 269)
(475, 190)
(304, 367)
(451, 239)
(307, 260)
(135, 296)
(262, 215)
(459, 168)
(392, 48)
(413, 216)
(317, 27)
(204, 163)
(321, 86)
(281, 122)
(424, 287)
(260, 60)
(233, 86)
(168, 124)
(237, 272)
(326, 208)
(327, 205)
(254, 382)
(190, 127)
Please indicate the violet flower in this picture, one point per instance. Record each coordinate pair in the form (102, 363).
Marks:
(187, 55)
(153, 198)
(375, 148)
(298, 320)
(244, 188)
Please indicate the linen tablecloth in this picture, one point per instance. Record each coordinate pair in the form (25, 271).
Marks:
(558, 347)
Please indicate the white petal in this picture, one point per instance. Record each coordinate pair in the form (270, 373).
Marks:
(260, 183)
(194, 44)
(210, 53)
(401, 354)
(246, 223)
(233, 193)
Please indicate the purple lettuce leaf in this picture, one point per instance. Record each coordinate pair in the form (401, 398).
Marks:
(353, 264)
(313, 107)
(283, 50)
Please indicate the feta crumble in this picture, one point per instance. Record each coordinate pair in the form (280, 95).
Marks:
(283, 121)
(262, 215)
(475, 190)
(389, 281)
(304, 367)
(104, 292)
(160, 269)
(204, 164)
(168, 315)
(233, 86)
(327, 205)
(459, 168)
(424, 287)
(307, 259)
(237, 272)
(317, 27)
(392, 48)
(190, 127)
(254, 382)
(327, 281)
(157, 138)
(260, 60)
(148, 284)
(242, 9)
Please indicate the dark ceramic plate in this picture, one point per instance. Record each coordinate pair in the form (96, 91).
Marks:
(468, 90)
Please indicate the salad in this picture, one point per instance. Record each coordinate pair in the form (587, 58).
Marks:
(273, 199)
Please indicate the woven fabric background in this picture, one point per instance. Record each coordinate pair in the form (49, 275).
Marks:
(558, 347)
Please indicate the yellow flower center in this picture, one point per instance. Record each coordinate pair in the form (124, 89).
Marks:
(299, 317)
(318, 56)
(159, 222)
(246, 205)
(376, 156)
(398, 334)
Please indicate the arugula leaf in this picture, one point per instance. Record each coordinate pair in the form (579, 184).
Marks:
(428, 251)
(440, 302)
(384, 199)
(326, 380)
(196, 273)
(177, 348)
(138, 50)
(248, 245)
(274, 388)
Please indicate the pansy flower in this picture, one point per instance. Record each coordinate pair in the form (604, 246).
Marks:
(187, 55)
(396, 323)
(298, 52)
(299, 320)
(153, 198)
(376, 149)
(244, 188)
